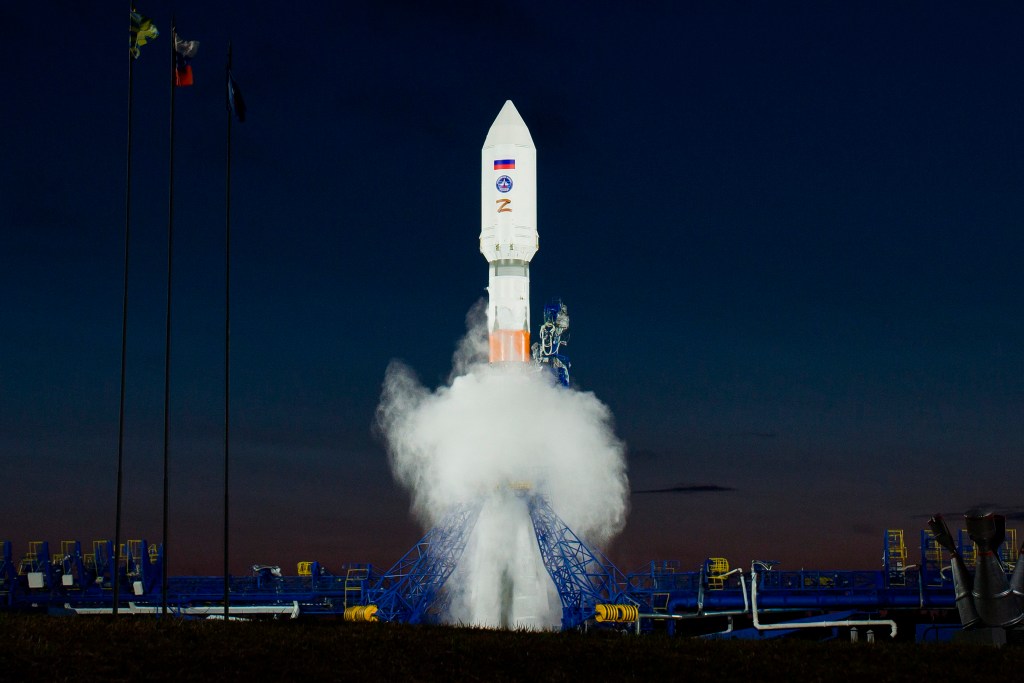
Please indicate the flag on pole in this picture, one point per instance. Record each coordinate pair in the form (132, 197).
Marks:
(141, 30)
(184, 51)
(236, 105)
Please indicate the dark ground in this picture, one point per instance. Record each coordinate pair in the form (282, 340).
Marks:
(40, 648)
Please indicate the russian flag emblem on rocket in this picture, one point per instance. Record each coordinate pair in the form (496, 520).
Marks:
(504, 164)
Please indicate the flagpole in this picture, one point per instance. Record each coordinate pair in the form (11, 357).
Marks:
(227, 346)
(124, 332)
(167, 329)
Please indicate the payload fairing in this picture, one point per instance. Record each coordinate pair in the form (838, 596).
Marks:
(508, 232)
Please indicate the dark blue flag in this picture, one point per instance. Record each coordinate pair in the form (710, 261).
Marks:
(236, 105)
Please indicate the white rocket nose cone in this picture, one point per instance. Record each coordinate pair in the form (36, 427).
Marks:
(509, 129)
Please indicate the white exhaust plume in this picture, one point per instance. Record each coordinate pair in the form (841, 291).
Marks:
(490, 432)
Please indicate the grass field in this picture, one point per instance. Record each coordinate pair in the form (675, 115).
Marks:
(41, 648)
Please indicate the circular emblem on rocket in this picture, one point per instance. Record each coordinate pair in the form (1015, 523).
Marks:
(504, 184)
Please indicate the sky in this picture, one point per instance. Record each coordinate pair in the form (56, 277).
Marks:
(788, 234)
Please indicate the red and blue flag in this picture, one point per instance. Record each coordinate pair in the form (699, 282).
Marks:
(184, 51)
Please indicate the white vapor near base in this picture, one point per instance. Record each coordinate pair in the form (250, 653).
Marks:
(491, 431)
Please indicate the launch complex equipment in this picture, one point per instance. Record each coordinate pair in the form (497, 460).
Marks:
(922, 594)
(986, 599)
(411, 591)
(714, 600)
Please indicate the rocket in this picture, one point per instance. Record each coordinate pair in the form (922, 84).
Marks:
(508, 232)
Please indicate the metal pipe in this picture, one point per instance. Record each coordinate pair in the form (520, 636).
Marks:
(291, 610)
(680, 617)
(721, 633)
(920, 583)
(701, 614)
(920, 588)
(701, 580)
(700, 593)
(817, 624)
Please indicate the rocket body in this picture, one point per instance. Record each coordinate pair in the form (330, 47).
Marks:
(508, 232)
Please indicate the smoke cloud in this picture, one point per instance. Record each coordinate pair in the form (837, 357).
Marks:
(489, 432)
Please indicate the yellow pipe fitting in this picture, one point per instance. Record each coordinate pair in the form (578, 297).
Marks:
(615, 613)
(361, 613)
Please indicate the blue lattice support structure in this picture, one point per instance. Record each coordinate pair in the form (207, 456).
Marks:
(584, 578)
(409, 590)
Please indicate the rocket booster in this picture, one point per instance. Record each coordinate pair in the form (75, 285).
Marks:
(508, 232)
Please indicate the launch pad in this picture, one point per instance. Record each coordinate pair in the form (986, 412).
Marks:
(918, 594)
(715, 599)
(934, 596)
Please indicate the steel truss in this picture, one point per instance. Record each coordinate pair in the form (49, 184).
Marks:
(409, 591)
(584, 578)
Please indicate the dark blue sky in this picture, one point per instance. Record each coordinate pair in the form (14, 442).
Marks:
(789, 235)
